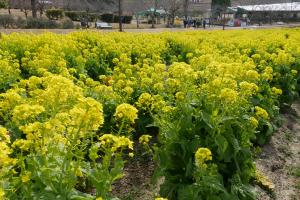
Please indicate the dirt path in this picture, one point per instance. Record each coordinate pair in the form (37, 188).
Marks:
(144, 30)
(280, 159)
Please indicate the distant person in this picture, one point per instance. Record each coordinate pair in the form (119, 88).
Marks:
(204, 23)
(184, 23)
(198, 23)
(248, 22)
(84, 23)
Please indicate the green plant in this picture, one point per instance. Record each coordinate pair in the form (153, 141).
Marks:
(7, 21)
(109, 18)
(125, 19)
(40, 23)
(180, 140)
(21, 22)
(54, 14)
(75, 15)
(67, 24)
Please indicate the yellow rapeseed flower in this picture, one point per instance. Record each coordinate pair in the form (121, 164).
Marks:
(252, 74)
(144, 139)
(229, 95)
(127, 112)
(22, 144)
(248, 88)
(26, 177)
(179, 96)
(276, 91)
(2, 193)
(4, 136)
(294, 72)
(201, 156)
(253, 122)
(114, 143)
(145, 100)
(260, 112)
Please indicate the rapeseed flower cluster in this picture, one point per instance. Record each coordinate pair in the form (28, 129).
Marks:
(253, 122)
(126, 112)
(202, 155)
(59, 93)
(260, 112)
(144, 139)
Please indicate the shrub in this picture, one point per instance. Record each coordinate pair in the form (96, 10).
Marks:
(3, 4)
(7, 21)
(77, 26)
(150, 21)
(125, 19)
(109, 18)
(54, 14)
(67, 24)
(21, 22)
(72, 15)
(75, 15)
(93, 17)
(78, 15)
(40, 23)
(116, 19)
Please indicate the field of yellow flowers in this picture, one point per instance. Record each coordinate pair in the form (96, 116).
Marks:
(74, 109)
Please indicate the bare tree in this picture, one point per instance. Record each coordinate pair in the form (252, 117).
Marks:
(9, 6)
(153, 14)
(33, 8)
(41, 6)
(67, 4)
(186, 8)
(172, 7)
(24, 7)
(135, 7)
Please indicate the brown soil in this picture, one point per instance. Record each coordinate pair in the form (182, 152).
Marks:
(136, 183)
(280, 158)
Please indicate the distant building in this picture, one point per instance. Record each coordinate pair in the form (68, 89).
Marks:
(202, 7)
(235, 3)
(268, 13)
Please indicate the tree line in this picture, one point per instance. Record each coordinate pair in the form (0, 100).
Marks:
(172, 7)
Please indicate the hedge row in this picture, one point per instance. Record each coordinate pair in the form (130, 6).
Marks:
(8, 21)
(54, 14)
(111, 18)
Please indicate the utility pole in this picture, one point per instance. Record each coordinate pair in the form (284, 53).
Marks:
(120, 15)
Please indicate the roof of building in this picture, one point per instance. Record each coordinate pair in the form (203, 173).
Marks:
(295, 6)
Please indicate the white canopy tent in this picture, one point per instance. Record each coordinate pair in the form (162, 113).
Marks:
(279, 7)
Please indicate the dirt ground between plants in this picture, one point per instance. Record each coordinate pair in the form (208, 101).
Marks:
(278, 161)
(280, 158)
